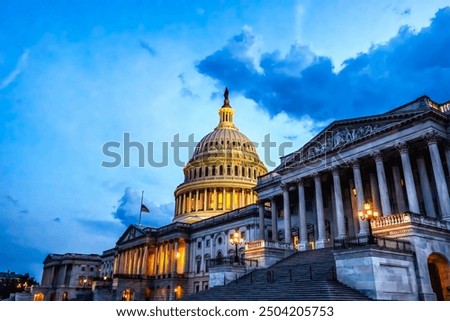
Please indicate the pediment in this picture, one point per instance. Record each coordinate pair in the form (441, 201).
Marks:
(131, 233)
(343, 133)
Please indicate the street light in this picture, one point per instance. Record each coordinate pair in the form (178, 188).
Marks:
(236, 240)
(367, 214)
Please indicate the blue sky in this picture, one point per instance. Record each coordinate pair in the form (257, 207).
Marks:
(75, 75)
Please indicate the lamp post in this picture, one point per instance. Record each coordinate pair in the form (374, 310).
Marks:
(367, 214)
(236, 240)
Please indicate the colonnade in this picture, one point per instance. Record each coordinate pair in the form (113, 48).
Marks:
(379, 191)
(167, 257)
(213, 199)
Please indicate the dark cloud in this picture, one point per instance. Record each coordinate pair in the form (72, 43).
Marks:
(128, 210)
(410, 65)
(145, 45)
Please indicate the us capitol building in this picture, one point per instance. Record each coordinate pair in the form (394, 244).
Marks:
(370, 195)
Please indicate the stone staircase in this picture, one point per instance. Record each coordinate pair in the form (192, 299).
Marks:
(303, 276)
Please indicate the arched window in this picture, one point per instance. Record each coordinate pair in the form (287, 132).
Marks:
(200, 172)
(254, 173)
(195, 173)
(243, 171)
(229, 170)
(206, 171)
(236, 170)
(221, 170)
(213, 171)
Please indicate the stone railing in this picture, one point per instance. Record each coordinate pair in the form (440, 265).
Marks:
(404, 218)
(267, 244)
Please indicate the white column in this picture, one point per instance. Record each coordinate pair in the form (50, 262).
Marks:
(175, 258)
(303, 231)
(273, 210)
(232, 198)
(187, 256)
(397, 177)
(205, 200)
(320, 243)
(145, 261)
(196, 200)
(363, 226)
(215, 199)
(340, 220)
(183, 208)
(203, 265)
(425, 186)
(261, 219)
(190, 202)
(382, 184)
(242, 201)
(439, 176)
(374, 192)
(224, 201)
(287, 214)
(413, 202)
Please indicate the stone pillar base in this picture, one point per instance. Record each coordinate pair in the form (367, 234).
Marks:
(267, 253)
(224, 274)
(321, 244)
(304, 246)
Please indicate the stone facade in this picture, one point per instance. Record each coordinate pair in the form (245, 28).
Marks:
(68, 276)
(396, 163)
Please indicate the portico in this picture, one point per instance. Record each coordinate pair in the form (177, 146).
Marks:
(395, 160)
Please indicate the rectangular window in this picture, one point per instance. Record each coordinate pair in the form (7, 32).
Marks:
(208, 243)
(199, 265)
(91, 269)
(199, 244)
(83, 268)
(197, 287)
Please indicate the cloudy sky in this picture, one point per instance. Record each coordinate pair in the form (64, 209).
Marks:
(76, 75)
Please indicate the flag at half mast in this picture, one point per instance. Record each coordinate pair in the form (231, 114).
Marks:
(143, 208)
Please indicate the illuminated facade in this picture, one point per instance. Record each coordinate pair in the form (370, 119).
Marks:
(396, 164)
(216, 199)
(221, 174)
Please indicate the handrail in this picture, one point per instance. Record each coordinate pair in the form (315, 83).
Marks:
(385, 243)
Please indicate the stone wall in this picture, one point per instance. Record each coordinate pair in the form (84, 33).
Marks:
(378, 273)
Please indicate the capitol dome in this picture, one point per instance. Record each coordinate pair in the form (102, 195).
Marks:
(221, 173)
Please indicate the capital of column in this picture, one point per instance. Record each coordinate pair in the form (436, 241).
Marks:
(335, 170)
(300, 181)
(377, 155)
(284, 186)
(354, 162)
(272, 198)
(431, 137)
(316, 176)
(402, 147)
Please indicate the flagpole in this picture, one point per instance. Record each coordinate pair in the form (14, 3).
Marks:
(140, 208)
